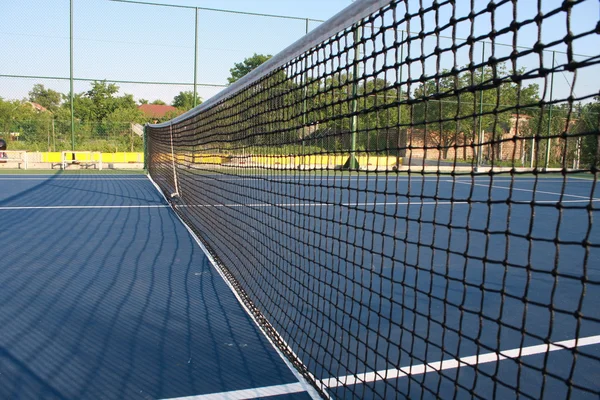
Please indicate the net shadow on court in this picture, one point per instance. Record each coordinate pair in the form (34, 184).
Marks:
(105, 294)
(406, 198)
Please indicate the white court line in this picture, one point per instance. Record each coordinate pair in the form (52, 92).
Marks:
(384, 204)
(266, 391)
(70, 179)
(78, 207)
(298, 179)
(463, 179)
(374, 178)
(393, 373)
(553, 201)
(379, 176)
(455, 363)
(528, 190)
(306, 386)
(377, 204)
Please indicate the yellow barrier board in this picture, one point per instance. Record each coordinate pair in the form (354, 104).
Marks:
(128, 157)
(124, 157)
(53, 157)
(324, 160)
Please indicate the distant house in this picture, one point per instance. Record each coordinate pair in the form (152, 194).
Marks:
(157, 111)
(37, 107)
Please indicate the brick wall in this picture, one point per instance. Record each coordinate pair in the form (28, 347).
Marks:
(509, 146)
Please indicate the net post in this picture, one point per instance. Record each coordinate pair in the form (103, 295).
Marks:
(145, 144)
(176, 193)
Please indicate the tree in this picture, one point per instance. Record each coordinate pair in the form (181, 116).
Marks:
(454, 108)
(588, 125)
(243, 68)
(118, 123)
(21, 118)
(185, 100)
(102, 119)
(158, 102)
(143, 101)
(381, 110)
(82, 106)
(47, 98)
(437, 110)
(99, 102)
(102, 99)
(124, 102)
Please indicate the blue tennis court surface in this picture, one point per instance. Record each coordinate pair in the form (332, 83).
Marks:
(105, 294)
(116, 301)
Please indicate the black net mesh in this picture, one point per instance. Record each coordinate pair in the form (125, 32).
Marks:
(407, 205)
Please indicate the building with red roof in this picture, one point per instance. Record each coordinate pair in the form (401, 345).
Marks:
(157, 111)
(37, 107)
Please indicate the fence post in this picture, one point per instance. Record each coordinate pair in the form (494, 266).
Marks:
(352, 162)
(479, 125)
(71, 95)
(196, 58)
(304, 95)
(550, 114)
(399, 139)
(532, 150)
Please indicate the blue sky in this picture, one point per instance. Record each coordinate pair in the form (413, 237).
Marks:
(117, 41)
(143, 43)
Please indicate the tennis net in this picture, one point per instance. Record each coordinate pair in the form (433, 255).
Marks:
(406, 198)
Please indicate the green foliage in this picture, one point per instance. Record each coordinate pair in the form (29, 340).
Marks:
(55, 135)
(47, 98)
(169, 116)
(330, 104)
(158, 102)
(185, 100)
(124, 102)
(11, 113)
(100, 102)
(243, 68)
(588, 121)
(102, 120)
(468, 103)
(290, 117)
(285, 150)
